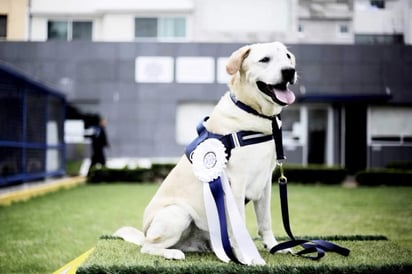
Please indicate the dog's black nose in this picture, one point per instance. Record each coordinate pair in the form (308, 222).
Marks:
(288, 74)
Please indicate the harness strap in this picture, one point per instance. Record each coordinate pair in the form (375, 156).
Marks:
(277, 135)
(248, 108)
(276, 129)
(230, 141)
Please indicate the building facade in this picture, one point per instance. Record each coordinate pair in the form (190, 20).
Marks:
(291, 21)
(13, 20)
(354, 102)
(155, 68)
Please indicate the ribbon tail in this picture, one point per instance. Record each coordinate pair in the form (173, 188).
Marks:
(213, 224)
(247, 252)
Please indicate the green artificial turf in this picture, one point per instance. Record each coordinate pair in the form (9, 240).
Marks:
(117, 256)
(43, 234)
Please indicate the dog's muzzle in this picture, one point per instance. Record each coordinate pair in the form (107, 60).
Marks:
(279, 92)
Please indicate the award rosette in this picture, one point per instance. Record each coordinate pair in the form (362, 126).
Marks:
(209, 160)
(209, 163)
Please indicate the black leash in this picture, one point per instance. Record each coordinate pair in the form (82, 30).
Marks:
(309, 246)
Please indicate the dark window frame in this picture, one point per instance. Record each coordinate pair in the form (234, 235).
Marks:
(72, 31)
(3, 26)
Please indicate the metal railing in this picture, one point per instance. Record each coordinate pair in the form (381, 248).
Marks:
(31, 129)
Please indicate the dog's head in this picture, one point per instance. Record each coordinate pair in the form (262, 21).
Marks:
(261, 75)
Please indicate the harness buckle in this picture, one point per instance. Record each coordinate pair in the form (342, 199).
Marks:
(282, 178)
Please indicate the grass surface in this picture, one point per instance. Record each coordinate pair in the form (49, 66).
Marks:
(41, 235)
(118, 256)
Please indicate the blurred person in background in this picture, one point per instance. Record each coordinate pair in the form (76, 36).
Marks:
(99, 143)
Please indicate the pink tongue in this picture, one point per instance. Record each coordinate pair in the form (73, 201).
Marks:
(285, 96)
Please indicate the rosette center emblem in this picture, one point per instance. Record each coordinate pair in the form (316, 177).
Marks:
(209, 160)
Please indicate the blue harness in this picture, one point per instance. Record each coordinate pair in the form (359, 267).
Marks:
(230, 141)
(240, 138)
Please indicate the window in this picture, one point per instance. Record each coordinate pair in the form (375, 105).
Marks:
(82, 31)
(153, 27)
(343, 29)
(292, 125)
(372, 39)
(69, 30)
(188, 117)
(380, 4)
(300, 28)
(389, 125)
(145, 27)
(57, 30)
(3, 26)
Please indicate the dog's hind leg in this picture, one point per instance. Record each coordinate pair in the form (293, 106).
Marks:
(165, 231)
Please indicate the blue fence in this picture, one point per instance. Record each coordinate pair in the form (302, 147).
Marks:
(31, 129)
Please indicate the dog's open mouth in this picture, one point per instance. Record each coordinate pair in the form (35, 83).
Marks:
(279, 93)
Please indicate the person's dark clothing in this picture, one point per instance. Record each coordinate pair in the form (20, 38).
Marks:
(99, 142)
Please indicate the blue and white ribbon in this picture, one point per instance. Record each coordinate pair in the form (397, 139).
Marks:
(209, 162)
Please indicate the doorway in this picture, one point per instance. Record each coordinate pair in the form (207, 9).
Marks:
(317, 135)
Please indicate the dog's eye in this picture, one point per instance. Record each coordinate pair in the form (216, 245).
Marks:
(264, 60)
(288, 55)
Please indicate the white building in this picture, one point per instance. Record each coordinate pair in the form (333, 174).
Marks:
(290, 21)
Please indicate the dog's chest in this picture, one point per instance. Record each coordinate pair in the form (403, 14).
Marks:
(251, 168)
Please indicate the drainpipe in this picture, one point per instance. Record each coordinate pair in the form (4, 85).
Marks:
(29, 17)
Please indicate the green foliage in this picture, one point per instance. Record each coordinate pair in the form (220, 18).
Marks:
(295, 173)
(403, 165)
(312, 174)
(73, 167)
(139, 175)
(390, 177)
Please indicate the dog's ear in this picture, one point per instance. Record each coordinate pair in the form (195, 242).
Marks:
(236, 59)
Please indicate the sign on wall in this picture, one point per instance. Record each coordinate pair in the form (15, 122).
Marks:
(154, 69)
(195, 70)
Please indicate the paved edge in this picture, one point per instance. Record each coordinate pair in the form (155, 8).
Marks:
(26, 194)
(72, 266)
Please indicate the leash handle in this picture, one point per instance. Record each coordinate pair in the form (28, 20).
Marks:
(309, 246)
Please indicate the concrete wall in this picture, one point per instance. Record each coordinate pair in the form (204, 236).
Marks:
(142, 116)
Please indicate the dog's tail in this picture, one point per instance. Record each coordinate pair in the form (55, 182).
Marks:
(130, 234)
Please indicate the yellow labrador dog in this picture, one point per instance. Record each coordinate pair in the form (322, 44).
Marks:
(175, 219)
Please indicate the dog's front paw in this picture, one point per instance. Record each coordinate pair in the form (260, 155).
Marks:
(258, 261)
(173, 254)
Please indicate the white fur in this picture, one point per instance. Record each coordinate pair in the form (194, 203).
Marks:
(175, 219)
